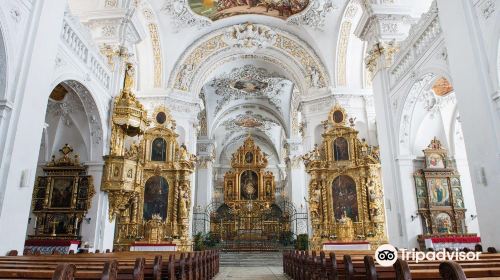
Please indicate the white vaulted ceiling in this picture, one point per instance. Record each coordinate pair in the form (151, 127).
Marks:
(248, 90)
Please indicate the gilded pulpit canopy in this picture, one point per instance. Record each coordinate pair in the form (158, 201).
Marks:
(345, 192)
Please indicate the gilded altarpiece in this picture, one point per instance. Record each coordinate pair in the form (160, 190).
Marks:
(249, 211)
(439, 193)
(61, 197)
(345, 192)
(147, 174)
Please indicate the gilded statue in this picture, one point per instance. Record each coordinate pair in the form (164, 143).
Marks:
(183, 154)
(183, 205)
(129, 79)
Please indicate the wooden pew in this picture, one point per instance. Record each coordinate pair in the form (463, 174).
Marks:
(198, 265)
(302, 265)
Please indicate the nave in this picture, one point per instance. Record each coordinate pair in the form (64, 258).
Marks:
(250, 139)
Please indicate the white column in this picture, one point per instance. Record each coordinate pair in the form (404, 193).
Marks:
(93, 231)
(395, 217)
(468, 194)
(204, 172)
(204, 183)
(297, 185)
(25, 129)
(406, 168)
(481, 126)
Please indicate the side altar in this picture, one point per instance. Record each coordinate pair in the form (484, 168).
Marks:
(61, 198)
(345, 193)
(147, 176)
(441, 203)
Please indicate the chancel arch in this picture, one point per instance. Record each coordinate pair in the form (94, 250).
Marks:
(190, 71)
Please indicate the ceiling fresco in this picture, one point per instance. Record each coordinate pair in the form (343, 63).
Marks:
(219, 9)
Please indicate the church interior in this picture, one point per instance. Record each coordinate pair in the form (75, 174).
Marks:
(249, 139)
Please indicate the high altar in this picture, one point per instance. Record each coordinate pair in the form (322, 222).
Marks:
(345, 193)
(147, 175)
(249, 211)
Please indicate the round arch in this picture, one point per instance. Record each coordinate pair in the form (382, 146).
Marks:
(240, 137)
(414, 89)
(93, 111)
(258, 40)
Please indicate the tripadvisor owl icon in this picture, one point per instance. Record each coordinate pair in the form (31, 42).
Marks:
(386, 255)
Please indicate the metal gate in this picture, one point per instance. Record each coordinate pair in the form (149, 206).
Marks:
(274, 228)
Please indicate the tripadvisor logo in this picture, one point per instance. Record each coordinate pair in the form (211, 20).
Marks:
(387, 255)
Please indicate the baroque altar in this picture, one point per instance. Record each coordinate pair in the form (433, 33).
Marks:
(61, 198)
(250, 211)
(345, 192)
(147, 175)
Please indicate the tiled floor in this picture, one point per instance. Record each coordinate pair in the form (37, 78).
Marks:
(251, 273)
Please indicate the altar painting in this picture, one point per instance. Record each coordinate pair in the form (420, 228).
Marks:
(345, 202)
(155, 198)
(62, 192)
(341, 149)
(435, 161)
(219, 9)
(159, 150)
(443, 223)
(249, 185)
(440, 195)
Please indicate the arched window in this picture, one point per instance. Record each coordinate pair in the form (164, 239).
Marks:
(159, 150)
(155, 198)
(340, 149)
(345, 198)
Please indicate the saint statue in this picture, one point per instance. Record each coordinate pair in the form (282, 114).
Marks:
(183, 206)
(129, 78)
(183, 152)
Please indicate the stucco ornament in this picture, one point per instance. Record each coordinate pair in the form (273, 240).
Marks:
(315, 14)
(249, 37)
(183, 16)
(210, 47)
